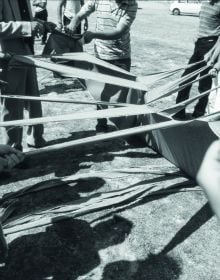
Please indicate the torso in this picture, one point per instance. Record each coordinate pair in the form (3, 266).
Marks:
(72, 7)
(209, 20)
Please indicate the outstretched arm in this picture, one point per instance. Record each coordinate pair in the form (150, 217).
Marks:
(122, 27)
(84, 12)
(208, 176)
(111, 35)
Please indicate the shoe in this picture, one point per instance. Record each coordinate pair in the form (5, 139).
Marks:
(101, 128)
(197, 114)
(17, 147)
(181, 115)
(39, 143)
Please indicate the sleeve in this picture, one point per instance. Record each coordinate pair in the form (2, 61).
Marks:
(130, 14)
(88, 8)
(15, 29)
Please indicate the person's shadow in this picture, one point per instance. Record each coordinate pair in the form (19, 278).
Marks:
(64, 251)
(155, 267)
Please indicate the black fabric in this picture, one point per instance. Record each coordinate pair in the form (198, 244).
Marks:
(42, 15)
(25, 16)
(202, 46)
(67, 21)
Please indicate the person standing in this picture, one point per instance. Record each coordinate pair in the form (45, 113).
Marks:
(112, 35)
(67, 11)
(41, 14)
(17, 32)
(208, 32)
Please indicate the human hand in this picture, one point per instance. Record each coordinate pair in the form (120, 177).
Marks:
(208, 176)
(88, 36)
(50, 26)
(213, 72)
(6, 149)
(9, 157)
(59, 26)
(70, 29)
(37, 28)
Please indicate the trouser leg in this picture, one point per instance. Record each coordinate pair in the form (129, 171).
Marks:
(34, 108)
(13, 109)
(204, 84)
(124, 64)
(184, 93)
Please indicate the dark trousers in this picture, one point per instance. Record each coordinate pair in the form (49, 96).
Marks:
(21, 81)
(67, 21)
(202, 46)
(124, 64)
(43, 15)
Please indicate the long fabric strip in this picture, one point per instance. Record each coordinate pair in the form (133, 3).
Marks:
(93, 203)
(79, 73)
(121, 133)
(106, 113)
(66, 100)
(178, 84)
(178, 107)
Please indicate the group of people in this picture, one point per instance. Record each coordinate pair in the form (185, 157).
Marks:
(18, 28)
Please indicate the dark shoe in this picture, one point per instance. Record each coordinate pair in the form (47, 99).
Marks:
(17, 147)
(197, 114)
(101, 128)
(181, 115)
(39, 143)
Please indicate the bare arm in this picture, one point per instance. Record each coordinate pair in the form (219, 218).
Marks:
(112, 35)
(85, 11)
(60, 6)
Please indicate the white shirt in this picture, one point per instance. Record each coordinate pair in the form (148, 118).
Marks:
(71, 8)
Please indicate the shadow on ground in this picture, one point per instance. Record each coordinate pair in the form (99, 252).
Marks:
(64, 251)
(155, 267)
(67, 161)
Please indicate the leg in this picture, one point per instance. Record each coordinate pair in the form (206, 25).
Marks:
(45, 16)
(13, 109)
(184, 93)
(34, 132)
(204, 84)
(124, 64)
